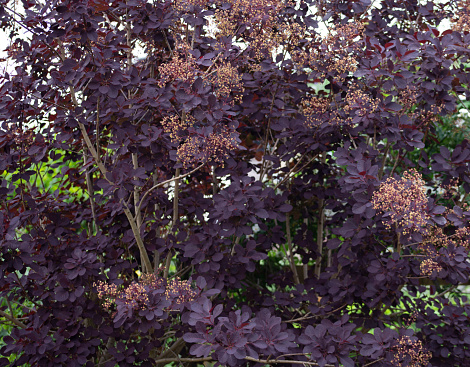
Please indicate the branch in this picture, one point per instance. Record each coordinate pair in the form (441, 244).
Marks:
(164, 183)
(90, 193)
(169, 360)
(371, 363)
(13, 320)
(274, 361)
(321, 222)
(447, 290)
(102, 168)
(265, 361)
(268, 126)
(293, 170)
(290, 256)
(381, 170)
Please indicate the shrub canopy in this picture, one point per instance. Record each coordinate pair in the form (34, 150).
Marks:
(245, 182)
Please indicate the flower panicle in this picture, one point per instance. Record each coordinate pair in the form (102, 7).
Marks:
(137, 293)
(403, 201)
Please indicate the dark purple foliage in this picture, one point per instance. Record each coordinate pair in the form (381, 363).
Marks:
(259, 192)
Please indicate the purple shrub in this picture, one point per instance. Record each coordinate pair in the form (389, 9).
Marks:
(189, 181)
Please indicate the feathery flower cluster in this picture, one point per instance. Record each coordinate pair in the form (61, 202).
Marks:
(13, 50)
(219, 144)
(226, 79)
(292, 32)
(20, 136)
(180, 291)
(463, 235)
(136, 294)
(175, 126)
(335, 52)
(342, 64)
(314, 109)
(189, 151)
(359, 103)
(178, 69)
(226, 26)
(250, 12)
(410, 352)
(435, 238)
(427, 117)
(186, 5)
(348, 31)
(408, 97)
(411, 318)
(216, 147)
(460, 22)
(429, 266)
(264, 41)
(107, 293)
(261, 16)
(404, 201)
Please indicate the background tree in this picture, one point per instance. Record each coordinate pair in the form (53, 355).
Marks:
(244, 182)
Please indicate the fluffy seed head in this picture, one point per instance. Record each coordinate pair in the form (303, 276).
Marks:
(410, 352)
(403, 201)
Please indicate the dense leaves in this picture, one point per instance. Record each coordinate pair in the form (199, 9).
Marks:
(248, 182)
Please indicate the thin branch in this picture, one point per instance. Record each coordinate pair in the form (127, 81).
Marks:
(307, 316)
(169, 360)
(166, 182)
(321, 222)
(450, 289)
(102, 168)
(9, 307)
(162, 357)
(290, 255)
(395, 164)
(274, 361)
(90, 191)
(29, 29)
(371, 363)
(138, 216)
(265, 361)
(293, 170)
(168, 43)
(381, 170)
(12, 319)
(174, 221)
(268, 126)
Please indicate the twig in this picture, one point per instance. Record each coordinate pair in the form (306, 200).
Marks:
(381, 170)
(102, 168)
(165, 182)
(162, 357)
(293, 170)
(169, 360)
(138, 216)
(290, 255)
(450, 289)
(371, 363)
(175, 220)
(90, 191)
(321, 220)
(274, 361)
(13, 319)
(395, 164)
(268, 126)
(168, 43)
(304, 317)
